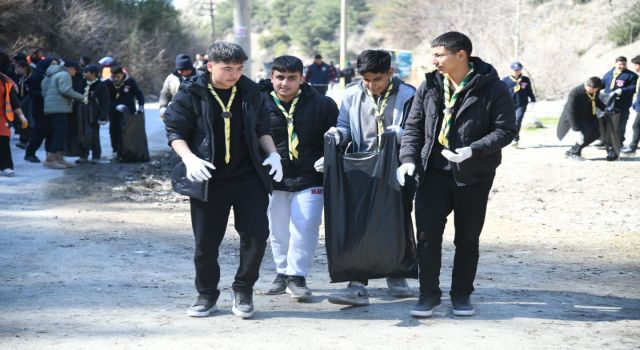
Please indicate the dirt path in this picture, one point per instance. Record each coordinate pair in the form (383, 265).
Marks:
(87, 266)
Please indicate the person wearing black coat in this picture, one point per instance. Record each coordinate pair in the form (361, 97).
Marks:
(579, 115)
(461, 118)
(43, 128)
(218, 123)
(521, 92)
(622, 82)
(299, 118)
(123, 92)
(96, 109)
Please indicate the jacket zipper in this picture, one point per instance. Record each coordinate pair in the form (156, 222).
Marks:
(208, 121)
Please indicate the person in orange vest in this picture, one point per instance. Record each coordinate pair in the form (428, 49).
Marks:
(10, 108)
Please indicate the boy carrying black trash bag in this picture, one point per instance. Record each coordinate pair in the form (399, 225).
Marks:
(369, 108)
(93, 110)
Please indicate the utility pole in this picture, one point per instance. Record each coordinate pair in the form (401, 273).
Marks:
(343, 39)
(213, 20)
(242, 30)
(516, 52)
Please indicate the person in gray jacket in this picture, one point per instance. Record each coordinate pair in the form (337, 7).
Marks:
(378, 103)
(58, 95)
(184, 70)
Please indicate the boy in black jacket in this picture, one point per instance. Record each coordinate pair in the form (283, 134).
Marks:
(299, 118)
(97, 101)
(124, 92)
(218, 124)
(521, 92)
(461, 117)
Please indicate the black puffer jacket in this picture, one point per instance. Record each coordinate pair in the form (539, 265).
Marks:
(484, 121)
(314, 115)
(190, 118)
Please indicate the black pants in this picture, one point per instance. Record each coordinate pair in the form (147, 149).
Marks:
(5, 153)
(42, 133)
(115, 130)
(59, 122)
(519, 116)
(250, 201)
(436, 197)
(96, 148)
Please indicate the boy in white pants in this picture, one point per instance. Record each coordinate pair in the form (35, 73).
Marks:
(299, 118)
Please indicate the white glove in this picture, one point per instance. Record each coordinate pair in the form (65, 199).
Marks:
(319, 165)
(335, 133)
(398, 130)
(531, 105)
(576, 137)
(617, 91)
(404, 169)
(273, 160)
(162, 110)
(461, 154)
(197, 168)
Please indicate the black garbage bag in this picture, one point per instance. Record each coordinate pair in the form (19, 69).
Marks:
(368, 232)
(609, 122)
(134, 139)
(87, 118)
(71, 143)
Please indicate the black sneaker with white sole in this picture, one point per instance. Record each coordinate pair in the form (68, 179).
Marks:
(425, 306)
(278, 285)
(462, 306)
(297, 288)
(242, 303)
(203, 307)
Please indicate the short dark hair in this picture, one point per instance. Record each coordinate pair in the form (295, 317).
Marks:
(594, 82)
(116, 70)
(227, 52)
(636, 60)
(454, 42)
(287, 63)
(621, 59)
(373, 61)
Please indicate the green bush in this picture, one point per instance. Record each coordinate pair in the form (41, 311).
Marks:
(626, 28)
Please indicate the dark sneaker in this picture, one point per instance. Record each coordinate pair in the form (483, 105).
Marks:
(611, 156)
(203, 307)
(32, 159)
(297, 288)
(82, 160)
(573, 156)
(425, 306)
(242, 303)
(462, 306)
(355, 295)
(399, 288)
(279, 285)
(628, 150)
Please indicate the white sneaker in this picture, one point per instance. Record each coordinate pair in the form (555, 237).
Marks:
(8, 172)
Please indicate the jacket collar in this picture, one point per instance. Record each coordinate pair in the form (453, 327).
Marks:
(198, 84)
(484, 74)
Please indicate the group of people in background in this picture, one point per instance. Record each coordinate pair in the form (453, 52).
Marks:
(63, 103)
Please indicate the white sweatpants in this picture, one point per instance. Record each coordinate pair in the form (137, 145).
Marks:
(294, 222)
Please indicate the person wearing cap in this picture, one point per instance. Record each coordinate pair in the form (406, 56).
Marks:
(96, 97)
(622, 82)
(319, 75)
(184, 70)
(123, 93)
(631, 148)
(521, 93)
(58, 94)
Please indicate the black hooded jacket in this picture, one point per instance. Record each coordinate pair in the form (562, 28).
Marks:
(189, 118)
(313, 116)
(484, 120)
